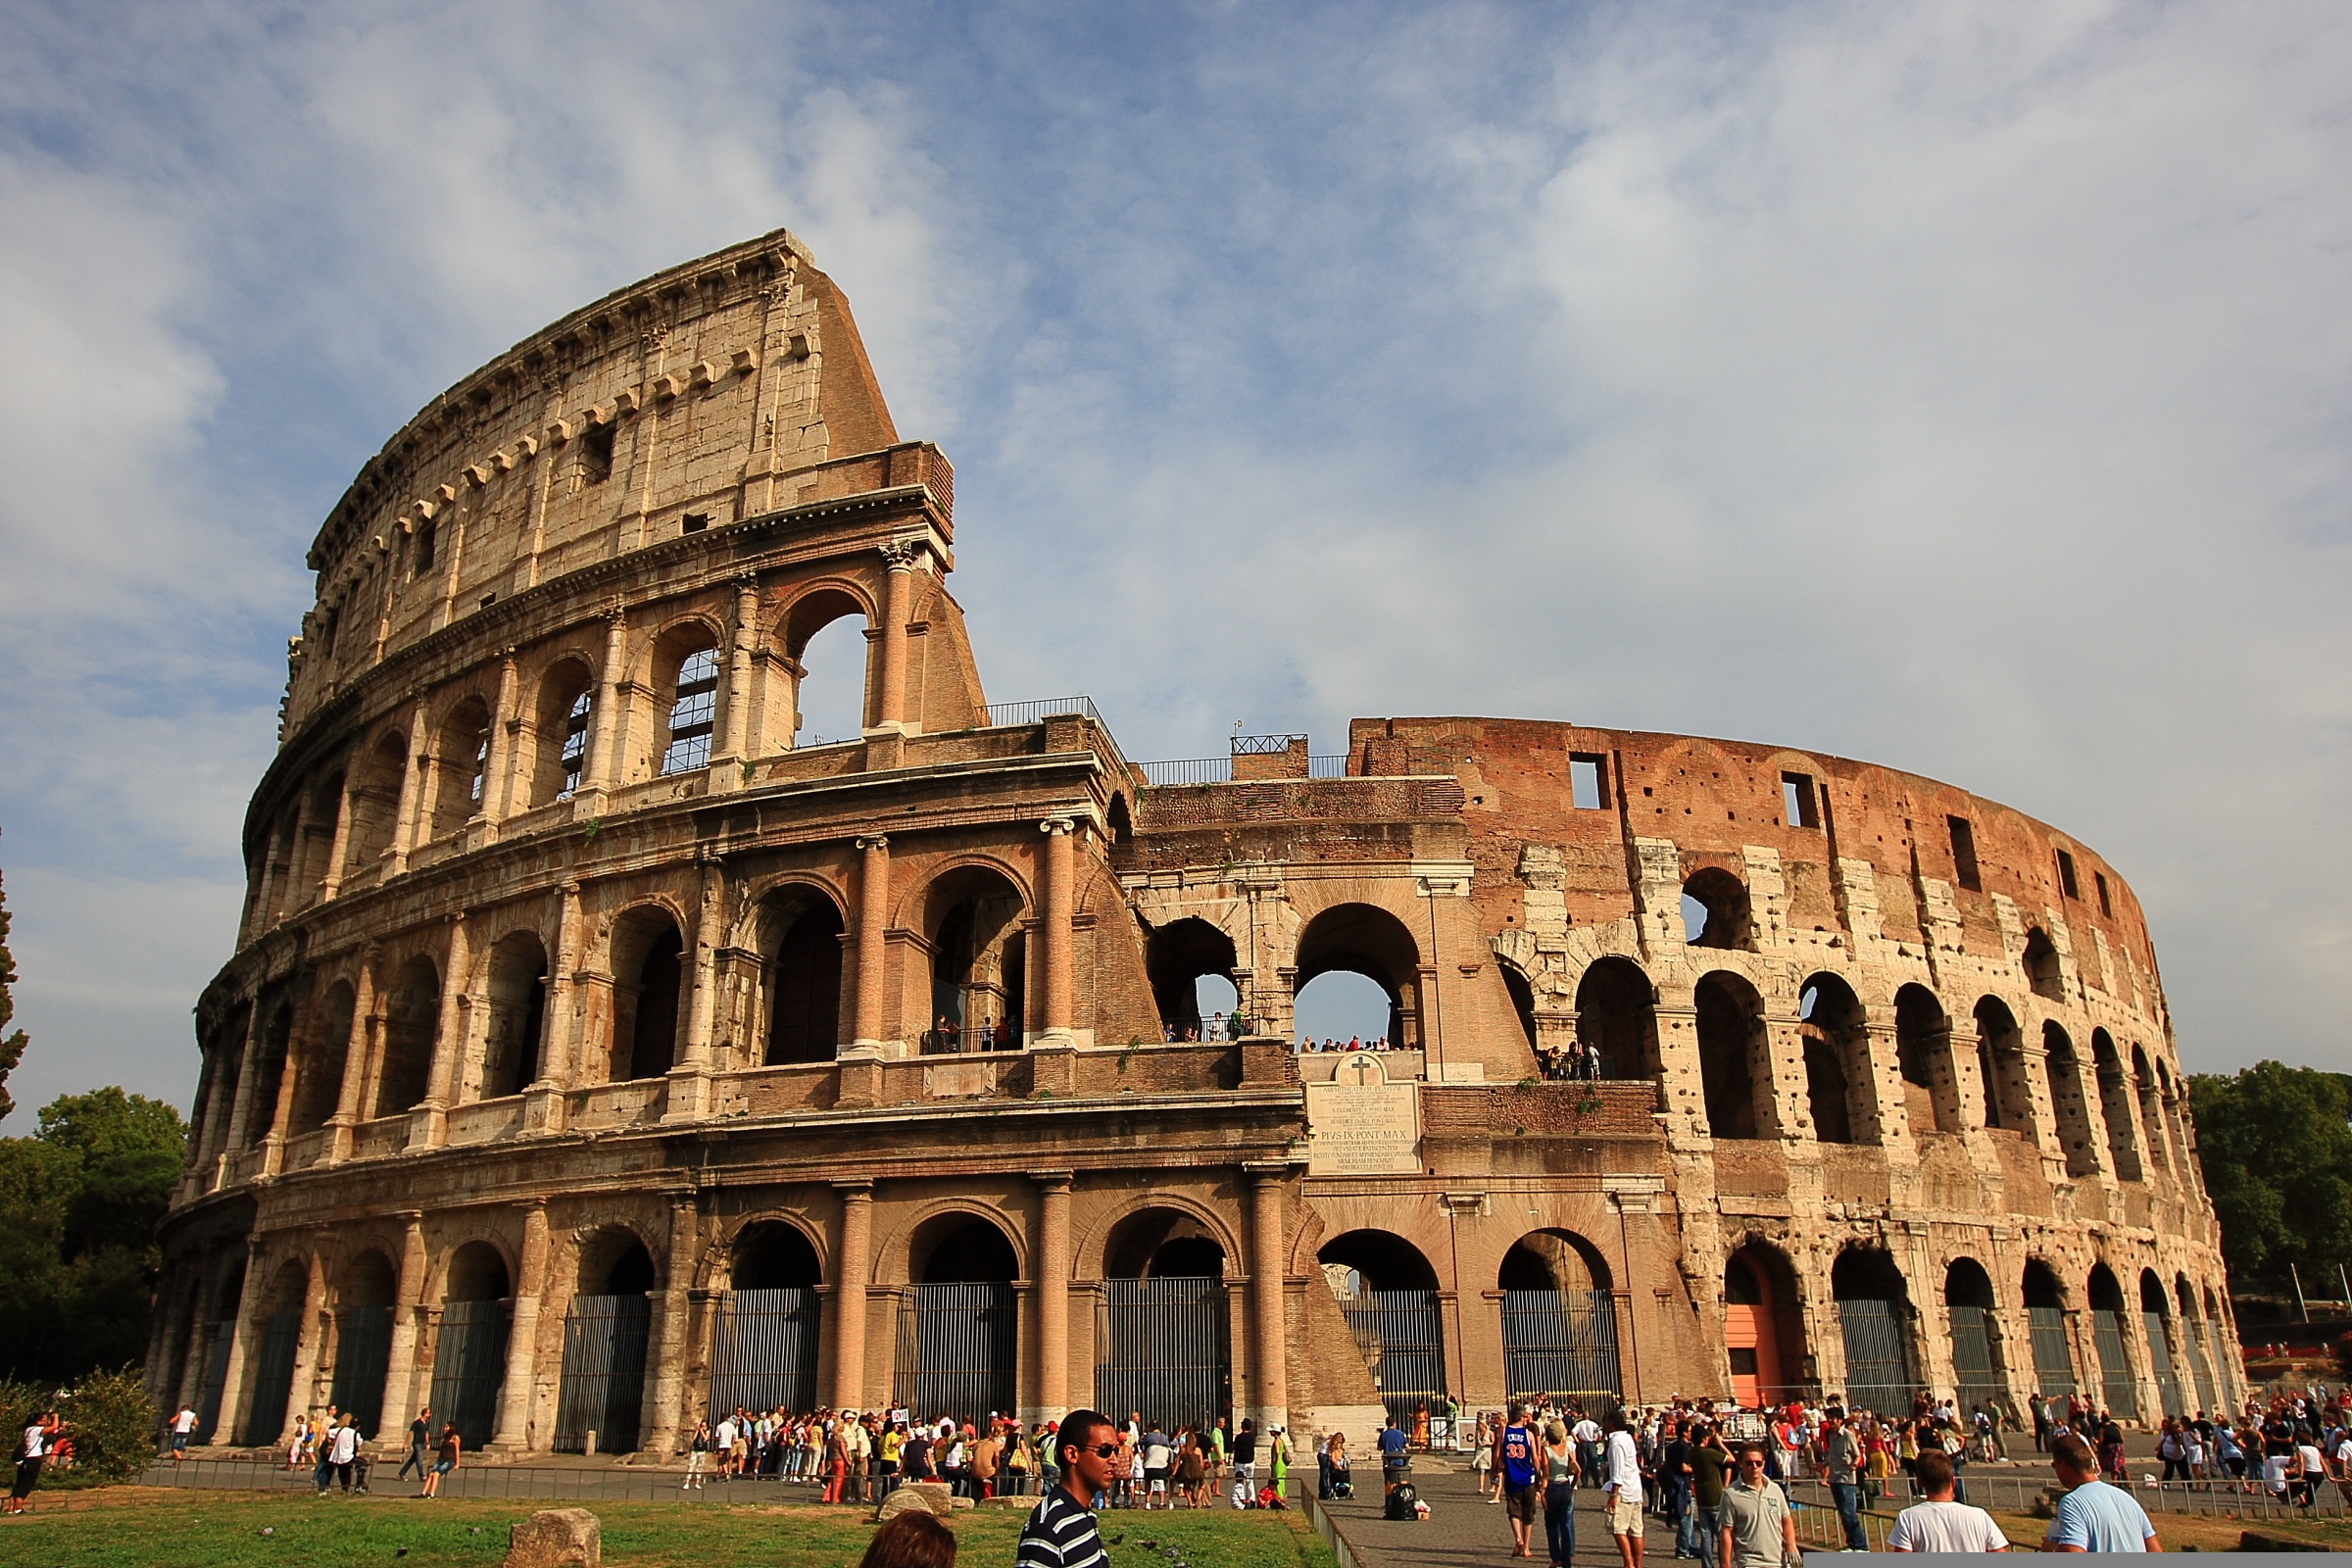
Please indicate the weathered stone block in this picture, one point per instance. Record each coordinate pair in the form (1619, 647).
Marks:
(555, 1537)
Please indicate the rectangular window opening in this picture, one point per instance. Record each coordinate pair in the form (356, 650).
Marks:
(1964, 853)
(1589, 781)
(2106, 904)
(1800, 800)
(424, 549)
(596, 455)
(2066, 875)
(696, 521)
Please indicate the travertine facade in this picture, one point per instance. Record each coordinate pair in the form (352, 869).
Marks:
(580, 1062)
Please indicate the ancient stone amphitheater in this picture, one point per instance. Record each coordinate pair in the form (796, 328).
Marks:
(601, 1046)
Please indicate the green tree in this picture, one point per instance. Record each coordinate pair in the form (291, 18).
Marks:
(2276, 1142)
(12, 1042)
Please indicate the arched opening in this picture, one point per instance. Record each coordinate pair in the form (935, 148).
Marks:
(2151, 1107)
(1162, 1341)
(470, 1351)
(1837, 1036)
(274, 1357)
(1923, 1047)
(979, 988)
(2045, 1321)
(517, 986)
(646, 992)
(801, 967)
(319, 1078)
(1523, 1001)
(560, 719)
(1715, 911)
(1559, 1321)
(2155, 1322)
(828, 696)
(364, 1294)
(1388, 1293)
(2217, 1347)
(1872, 1318)
(2115, 1106)
(1363, 939)
(2064, 1072)
(270, 1071)
(326, 804)
(1117, 823)
(1617, 1017)
(1763, 1327)
(686, 669)
(1733, 1055)
(208, 1344)
(2041, 966)
(959, 1337)
(600, 1397)
(2001, 1062)
(2117, 1388)
(375, 804)
(1178, 956)
(771, 1321)
(460, 765)
(2193, 1341)
(1968, 1307)
(411, 1020)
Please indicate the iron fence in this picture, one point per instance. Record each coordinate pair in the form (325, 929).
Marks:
(602, 1390)
(2160, 1361)
(1563, 1344)
(2053, 1360)
(764, 1351)
(1219, 769)
(957, 1349)
(1877, 1365)
(469, 1362)
(1162, 1347)
(1972, 1358)
(1002, 716)
(1402, 1343)
(215, 1378)
(272, 1377)
(2119, 1388)
(362, 1355)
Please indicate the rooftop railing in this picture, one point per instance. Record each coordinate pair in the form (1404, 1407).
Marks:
(1219, 769)
(1004, 715)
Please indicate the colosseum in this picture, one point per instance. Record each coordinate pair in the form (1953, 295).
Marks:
(603, 1045)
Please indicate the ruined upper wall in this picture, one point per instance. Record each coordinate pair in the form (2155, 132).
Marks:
(720, 389)
(1716, 800)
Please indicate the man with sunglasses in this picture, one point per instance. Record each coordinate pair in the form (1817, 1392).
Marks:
(1060, 1532)
(1754, 1527)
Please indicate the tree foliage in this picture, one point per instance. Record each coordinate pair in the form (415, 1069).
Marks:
(79, 1201)
(2276, 1142)
(12, 1042)
(107, 1415)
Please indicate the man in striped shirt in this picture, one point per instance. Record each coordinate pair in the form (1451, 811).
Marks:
(1060, 1532)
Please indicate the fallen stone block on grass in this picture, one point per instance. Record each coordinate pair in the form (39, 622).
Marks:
(555, 1537)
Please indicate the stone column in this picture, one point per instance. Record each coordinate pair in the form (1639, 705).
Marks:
(690, 1080)
(1059, 874)
(900, 560)
(357, 1050)
(874, 926)
(400, 1360)
(522, 1339)
(1051, 1282)
(430, 1126)
(851, 1267)
(339, 847)
(1270, 1347)
(544, 1103)
(737, 741)
(240, 1345)
(665, 1369)
(414, 783)
(498, 768)
(603, 749)
(310, 1341)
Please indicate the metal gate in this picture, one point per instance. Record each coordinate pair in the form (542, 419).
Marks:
(2053, 1362)
(362, 1355)
(1878, 1364)
(1163, 1347)
(272, 1377)
(956, 1351)
(2160, 1362)
(764, 1352)
(1563, 1344)
(2115, 1384)
(603, 1386)
(215, 1377)
(2215, 1344)
(1404, 1346)
(2192, 1338)
(1972, 1358)
(469, 1362)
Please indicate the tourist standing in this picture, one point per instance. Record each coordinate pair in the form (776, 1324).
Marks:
(1560, 1476)
(1621, 1491)
(1516, 1452)
(2093, 1516)
(1755, 1529)
(1840, 1456)
(1060, 1532)
(421, 1437)
(1941, 1524)
(182, 1425)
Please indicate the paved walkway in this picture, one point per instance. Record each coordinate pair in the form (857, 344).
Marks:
(1463, 1531)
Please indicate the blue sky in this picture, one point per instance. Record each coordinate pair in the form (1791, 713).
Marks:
(1967, 388)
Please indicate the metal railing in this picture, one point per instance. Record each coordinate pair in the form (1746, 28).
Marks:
(1219, 769)
(2015, 1491)
(970, 1042)
(1004, 715)
(583, 1483)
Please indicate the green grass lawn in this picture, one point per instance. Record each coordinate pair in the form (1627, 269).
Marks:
(139, 1527)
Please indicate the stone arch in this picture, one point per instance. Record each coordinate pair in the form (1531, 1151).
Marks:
(2156, 1333)
(900, 1258)
(1147, 1219)
(1159, 1241)
(1559, 1319)
(1118, 824)
(2118, 1386)
(366, 1277)
(1923, 1048)
(461, 764)
(2041, 964)
(1177, 957)
(1969, 1307)
(962, 1245)
(1522, 992)
(1727, 919)
(1763, 1323)
(1616, 1013)
(2115, 1106)
(563, 718)
(1378, 1260)
(615, 1259)
(1841, 1090)
(2064, 1072)
(1553, 1258)
(813, 688)
(375, 802)
(1874, 1318)
(271, 1063)
(1367, 940)
(772, 1252)
(512, 1044)
(282, 1303)
(411, 1024)
(2151, 1107)
(318, 1077)
(327, 804)
(649, 989)
(974, 915)
(1735, 1059)
(796, 929)
(684, 667)
(477, 1269)
(2001, 1063)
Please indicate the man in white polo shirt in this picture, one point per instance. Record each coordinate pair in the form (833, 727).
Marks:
(1940, 1524)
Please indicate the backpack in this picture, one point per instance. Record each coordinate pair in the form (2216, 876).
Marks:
(1401, 1501)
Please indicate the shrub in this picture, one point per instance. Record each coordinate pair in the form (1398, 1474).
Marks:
(108, 1415)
